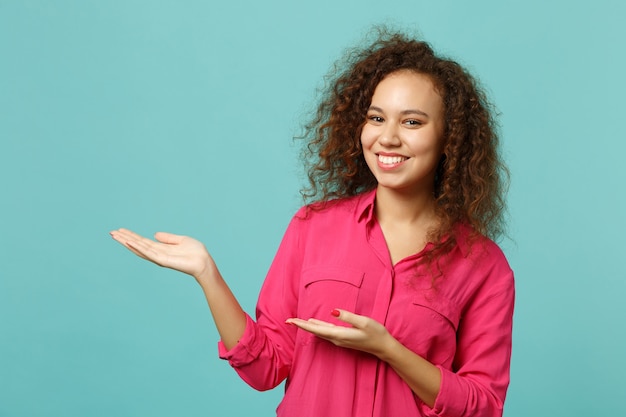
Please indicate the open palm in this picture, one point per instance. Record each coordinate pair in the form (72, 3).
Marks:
(181, 253)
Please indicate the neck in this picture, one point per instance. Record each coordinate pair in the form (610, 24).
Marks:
(404, 207)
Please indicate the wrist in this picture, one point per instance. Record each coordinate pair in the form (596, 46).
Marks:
(207, 274)
(389, 347)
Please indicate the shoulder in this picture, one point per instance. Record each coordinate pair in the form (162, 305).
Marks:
(485, 257)
(341, 208)
(319, 226)
(476, 246)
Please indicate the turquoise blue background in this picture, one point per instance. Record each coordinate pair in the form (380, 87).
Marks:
(178, 116)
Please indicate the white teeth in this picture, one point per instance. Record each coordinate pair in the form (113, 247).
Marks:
(388, 160)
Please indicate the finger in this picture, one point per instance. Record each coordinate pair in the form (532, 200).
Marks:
(146, 248)
(122, 238)
(312, 321)
(128, 234)
(295, 320)
(313, 329)
(316, 327)
(124, 235)
(168, 238)
(320, 322)
(136, 252)
(307, 325)
(348, 317)
(138, 247)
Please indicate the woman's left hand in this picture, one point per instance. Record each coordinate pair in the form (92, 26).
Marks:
(366, 334)
(370, 336)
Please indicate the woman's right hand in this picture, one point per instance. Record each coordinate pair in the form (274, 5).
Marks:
(187, 255)
(181, 253)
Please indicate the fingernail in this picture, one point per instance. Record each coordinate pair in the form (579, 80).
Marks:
(335, 313)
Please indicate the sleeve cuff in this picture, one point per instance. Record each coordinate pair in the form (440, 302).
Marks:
(450, 400)
(247, 348)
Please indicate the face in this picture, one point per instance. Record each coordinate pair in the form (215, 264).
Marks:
(402, 138)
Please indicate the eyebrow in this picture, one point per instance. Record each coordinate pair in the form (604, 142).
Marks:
(403, 112)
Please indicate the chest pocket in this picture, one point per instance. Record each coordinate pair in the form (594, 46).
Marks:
(326, 288)
(437, 334)
(441, 310)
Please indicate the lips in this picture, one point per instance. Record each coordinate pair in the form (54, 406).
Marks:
(391, 159)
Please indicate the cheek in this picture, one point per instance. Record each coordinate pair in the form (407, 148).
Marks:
(430, 143)
(367, 141)
(426, 149)
(367, 137)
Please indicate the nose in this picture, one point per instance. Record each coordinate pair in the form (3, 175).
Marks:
(389, 135)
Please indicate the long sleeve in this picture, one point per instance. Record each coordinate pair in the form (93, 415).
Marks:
(477, 384)
(263, 356)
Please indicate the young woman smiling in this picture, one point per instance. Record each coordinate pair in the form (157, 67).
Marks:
(387, 296)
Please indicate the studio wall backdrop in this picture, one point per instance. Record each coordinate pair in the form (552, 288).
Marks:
(179, 116)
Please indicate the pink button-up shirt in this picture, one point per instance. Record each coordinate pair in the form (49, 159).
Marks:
(338, 258)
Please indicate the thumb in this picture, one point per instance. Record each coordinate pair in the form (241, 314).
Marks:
(168, 238)
(348, 317)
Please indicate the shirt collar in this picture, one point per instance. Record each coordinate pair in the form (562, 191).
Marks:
(365, 206)
(365, 212)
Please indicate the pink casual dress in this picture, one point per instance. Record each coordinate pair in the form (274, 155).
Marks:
(337, 257)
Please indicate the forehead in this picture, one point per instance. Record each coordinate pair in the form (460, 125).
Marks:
(408, 88)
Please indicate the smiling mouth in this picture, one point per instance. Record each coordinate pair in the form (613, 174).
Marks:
(391, 160)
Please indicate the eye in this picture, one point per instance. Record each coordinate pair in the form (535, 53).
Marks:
(413, 122)
(375, 118)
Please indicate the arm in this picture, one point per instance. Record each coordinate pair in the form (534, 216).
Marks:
(264, 355)
(479, 378)
(369, 336)
(260, 352)
(189, 256)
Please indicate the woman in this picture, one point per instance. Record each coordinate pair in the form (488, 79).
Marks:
(386, 296)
